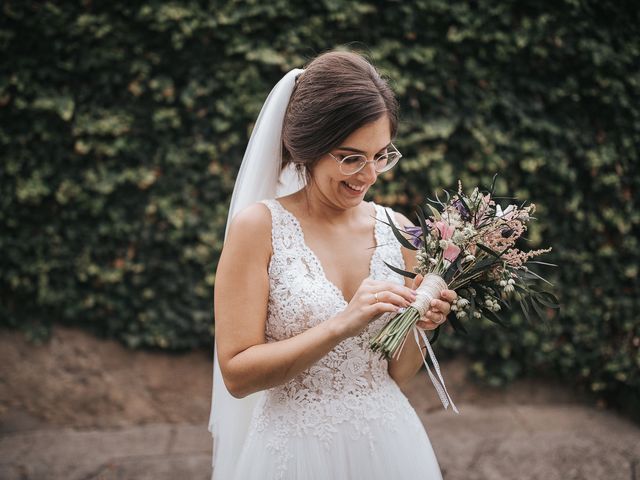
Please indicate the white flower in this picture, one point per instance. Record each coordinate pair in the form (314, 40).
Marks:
(501, 213)
(477, 315)
(462, 302)
(458, 237)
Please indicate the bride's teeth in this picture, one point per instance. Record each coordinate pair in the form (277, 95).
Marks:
(354, 187)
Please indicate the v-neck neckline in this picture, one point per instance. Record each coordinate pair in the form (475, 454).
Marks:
(316, 259)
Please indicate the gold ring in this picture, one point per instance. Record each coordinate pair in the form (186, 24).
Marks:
(376, 297)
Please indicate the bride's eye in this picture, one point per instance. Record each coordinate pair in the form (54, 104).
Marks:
(351, 159)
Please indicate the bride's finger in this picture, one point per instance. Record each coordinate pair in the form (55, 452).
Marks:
(448, 295)
(377, 309)
(426, 325)
(436, 317)
(417, 280)
(390, 297)
(405, 292)
(440, 306)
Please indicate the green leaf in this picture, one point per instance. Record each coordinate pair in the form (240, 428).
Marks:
(537, 307)
(493, 184)
(466, 205)
(401, 238)
(436, 334)
(482, 265)
(490, 251)
(404, 273)
(534, 274)
(451, 271)
(525, 308)
(548, 299)
(494, 318)
(434, 212)
(456, 323)
(423, 224)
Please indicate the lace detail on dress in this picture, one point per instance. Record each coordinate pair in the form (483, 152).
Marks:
(351, 383)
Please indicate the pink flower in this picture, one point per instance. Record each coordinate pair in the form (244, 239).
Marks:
(451, 252)
(446, 230)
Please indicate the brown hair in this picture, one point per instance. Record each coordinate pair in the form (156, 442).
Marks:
(337, 93)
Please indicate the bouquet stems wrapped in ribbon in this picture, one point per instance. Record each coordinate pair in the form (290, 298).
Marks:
(468, 244)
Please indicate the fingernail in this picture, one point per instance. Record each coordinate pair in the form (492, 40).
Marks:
(433, 303)
(415, 292)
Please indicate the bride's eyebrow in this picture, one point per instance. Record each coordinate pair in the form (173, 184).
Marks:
(355, 150)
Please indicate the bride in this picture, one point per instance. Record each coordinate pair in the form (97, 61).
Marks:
(300, 291)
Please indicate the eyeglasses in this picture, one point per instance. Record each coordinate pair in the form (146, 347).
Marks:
(352, 164)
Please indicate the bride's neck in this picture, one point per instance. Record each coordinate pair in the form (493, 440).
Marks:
(315, 205)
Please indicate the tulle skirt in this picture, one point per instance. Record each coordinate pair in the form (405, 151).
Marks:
(401, 451)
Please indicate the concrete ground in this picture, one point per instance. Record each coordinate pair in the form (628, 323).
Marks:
(502, 442)
(79, 408)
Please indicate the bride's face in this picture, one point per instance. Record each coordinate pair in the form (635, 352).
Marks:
(346, 191)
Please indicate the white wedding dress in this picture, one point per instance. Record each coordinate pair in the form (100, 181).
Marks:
(344, 417)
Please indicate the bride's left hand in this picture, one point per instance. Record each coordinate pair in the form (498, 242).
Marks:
(439, 309)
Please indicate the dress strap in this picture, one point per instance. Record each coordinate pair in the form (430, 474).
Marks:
(284, 231)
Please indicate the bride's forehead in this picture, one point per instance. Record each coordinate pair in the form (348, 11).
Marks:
(373, 136)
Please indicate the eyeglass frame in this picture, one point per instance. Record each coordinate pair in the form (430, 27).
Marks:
(375, 161)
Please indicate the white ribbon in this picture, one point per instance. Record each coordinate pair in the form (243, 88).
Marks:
(445, 398)
(429, 289)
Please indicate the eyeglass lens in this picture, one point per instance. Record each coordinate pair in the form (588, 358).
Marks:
(354, 163)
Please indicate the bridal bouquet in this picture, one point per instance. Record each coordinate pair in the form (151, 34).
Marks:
(467, 244)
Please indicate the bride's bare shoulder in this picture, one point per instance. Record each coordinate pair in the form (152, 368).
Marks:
(252, 224)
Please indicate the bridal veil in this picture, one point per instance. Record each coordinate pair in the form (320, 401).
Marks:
(260, 177)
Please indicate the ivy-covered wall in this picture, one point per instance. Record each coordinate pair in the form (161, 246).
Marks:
(122, 125)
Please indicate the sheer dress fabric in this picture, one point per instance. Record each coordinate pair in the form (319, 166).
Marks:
(344, 417)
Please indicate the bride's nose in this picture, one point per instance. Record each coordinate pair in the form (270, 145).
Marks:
(369, 172)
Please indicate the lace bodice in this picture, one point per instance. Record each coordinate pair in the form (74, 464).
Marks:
(351, 383)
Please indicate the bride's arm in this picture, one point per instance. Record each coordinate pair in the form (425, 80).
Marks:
(407, 365)
(247, 363)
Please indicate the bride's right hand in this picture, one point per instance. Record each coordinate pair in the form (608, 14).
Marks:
(372, 299)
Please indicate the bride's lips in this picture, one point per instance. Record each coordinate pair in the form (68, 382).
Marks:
(351, 191)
